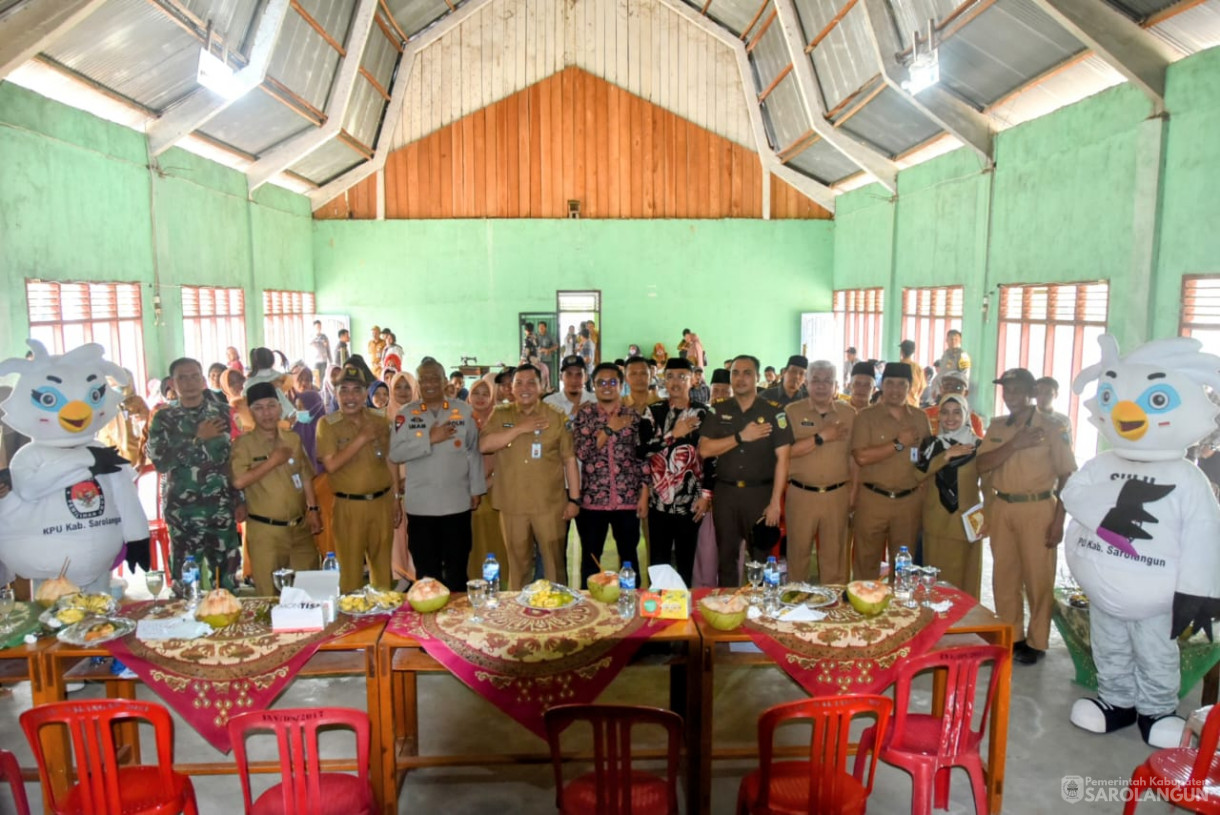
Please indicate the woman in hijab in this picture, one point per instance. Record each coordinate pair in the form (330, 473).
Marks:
(402, 393)
(485, 521)
(378, 396)
(330, 396)
(233, 382)
(949, 459)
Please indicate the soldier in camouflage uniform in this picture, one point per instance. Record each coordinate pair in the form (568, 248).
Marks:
(189, 445)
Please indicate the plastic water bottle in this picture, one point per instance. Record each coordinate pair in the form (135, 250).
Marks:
(783, 571)
(491, 573)
(903, 578)
(330, 563)
(626, 591)
(190, 580)
(771, 587)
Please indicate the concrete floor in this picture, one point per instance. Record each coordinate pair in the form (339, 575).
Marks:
(1043, 747)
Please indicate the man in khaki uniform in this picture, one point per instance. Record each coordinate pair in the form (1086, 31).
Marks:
(270, 465)
(1028, 456)
(820, 475)
(354, 447)
(537, 483)
(888, 508)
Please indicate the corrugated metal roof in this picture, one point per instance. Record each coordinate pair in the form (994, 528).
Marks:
(1140, 10)
(823, 163)
(770, 56)
(1066, 86)
(255, 123)
(364, 112)
(783, 109)
(891, 123)
(413, 16)
(304, 61)
(735, 15)
(330, 160)
(1194, 30)
(913, 15)
(1001, 50)
(232, 19)
(816, 15)
(845, 59)
(379, 57)
(133, 48)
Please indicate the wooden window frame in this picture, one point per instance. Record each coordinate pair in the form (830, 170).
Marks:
(1200, 310)
(287, 316)
(118, 324)
(861, 315)
(203, 324)
(928, 313)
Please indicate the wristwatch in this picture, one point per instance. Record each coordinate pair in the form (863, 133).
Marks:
(572, 500)
(899, 446)
(818, 441)
(311, 509)
(737, 438)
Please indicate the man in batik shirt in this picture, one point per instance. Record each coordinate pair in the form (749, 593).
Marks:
(189, 444)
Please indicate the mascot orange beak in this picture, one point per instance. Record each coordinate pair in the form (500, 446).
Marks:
(1130, 420)
(75, 416)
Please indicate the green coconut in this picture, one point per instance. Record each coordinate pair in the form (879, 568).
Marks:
(603, 587)
(218, 608)
(724, 613)
(428, 595)
(869, 597)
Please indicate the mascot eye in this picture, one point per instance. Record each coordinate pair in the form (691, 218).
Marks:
(47, 398)
(97, 394)
(1106, 397)
(1159, 399)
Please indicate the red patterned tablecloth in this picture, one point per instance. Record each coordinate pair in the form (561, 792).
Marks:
(240, 668)
(525, 660)
(850, 653)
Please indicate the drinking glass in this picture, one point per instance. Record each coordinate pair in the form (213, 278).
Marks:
(904, 588)
(7, 602)
(928, 579)
(476, 593)
(155, 581)
(283, 577)
(754, 574)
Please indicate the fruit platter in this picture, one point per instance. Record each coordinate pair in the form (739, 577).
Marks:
(370, 601)
(95, 630)
(72, 608)
(544, 594)
(796, 594)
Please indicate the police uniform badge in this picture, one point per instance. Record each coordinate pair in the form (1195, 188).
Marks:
(781, 419)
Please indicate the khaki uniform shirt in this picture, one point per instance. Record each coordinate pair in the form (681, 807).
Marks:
(874, 425)
(441, 478)
(829, 463)
(367, 471)
(527, 484)
(753, 461)
(936, 519)
(919, 382)
(280, 494)
(1034, 469)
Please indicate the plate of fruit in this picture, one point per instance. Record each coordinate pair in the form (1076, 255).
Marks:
(96, 630)
(370, 601)
(72, 608)
(546, 595)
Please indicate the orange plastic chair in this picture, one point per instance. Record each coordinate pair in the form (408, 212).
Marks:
(104, 787)
(614, 788)
(10, 770)
(821, 782)
(1187, 776)
(305, 789)
(928, 746)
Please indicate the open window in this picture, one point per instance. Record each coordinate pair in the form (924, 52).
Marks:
(64, 316)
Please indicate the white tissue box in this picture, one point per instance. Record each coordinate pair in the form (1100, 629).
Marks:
(322, 587)
(298, 617)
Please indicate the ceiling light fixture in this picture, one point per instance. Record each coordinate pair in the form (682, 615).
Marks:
(215, 74)
(924, 70)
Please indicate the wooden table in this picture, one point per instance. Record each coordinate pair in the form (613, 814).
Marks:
(979, 621)
(401, 659)
(61, 663)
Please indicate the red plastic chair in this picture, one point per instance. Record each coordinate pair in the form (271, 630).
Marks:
(614, 788)
(305, 789)
(820, 783)
(104, 787)
(927, 746)
(11, 772)
(1187, 776)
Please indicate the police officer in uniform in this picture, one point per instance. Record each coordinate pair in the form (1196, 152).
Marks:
(438, 441)
(884, 440)
(1028, 456)
(820, 478)
(271, 467)
(791, 385)
(751, 439)
(354, 447)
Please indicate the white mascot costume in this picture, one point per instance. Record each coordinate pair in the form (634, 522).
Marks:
(1144, 542)
(72, 498)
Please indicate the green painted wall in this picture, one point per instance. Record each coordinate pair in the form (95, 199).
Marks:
(79, 202)
(452, 288)
(1097, 190)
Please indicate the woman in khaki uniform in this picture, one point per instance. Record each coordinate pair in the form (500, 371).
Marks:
(949, 459)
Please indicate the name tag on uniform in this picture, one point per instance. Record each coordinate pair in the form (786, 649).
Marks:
(536, 450)
(807, 423)
(296, 480)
